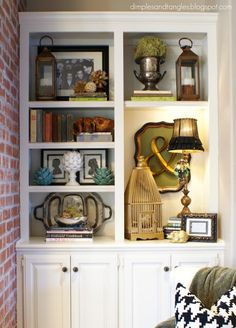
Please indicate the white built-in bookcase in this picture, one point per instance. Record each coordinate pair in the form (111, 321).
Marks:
(120, 31)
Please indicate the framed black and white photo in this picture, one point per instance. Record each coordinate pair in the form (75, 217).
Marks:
(200, 226)
(75, 63)
(91, 160)
(52, 159)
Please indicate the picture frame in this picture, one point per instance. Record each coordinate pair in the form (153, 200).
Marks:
(75, 63)
(151, 141)
(91, 159)
(52, 159)
(200, 226)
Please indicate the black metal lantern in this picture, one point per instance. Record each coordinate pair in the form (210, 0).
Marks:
(45, 73)
(187, 73)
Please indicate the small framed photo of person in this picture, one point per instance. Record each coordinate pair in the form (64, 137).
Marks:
(52, 159)
(91, 159)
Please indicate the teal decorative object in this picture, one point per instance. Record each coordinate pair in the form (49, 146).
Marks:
(103, 176)
(43, 176)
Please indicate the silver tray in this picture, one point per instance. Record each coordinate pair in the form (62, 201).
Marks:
(71, 222)
(89, 205)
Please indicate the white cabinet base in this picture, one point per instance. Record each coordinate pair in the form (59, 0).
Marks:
(104, 284)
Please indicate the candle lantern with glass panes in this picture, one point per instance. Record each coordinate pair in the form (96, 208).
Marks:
(45, 73)
(187, 72)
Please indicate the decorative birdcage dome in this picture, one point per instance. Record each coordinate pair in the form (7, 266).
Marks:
(143, 207)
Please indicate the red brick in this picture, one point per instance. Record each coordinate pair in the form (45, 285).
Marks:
(10, 74)
(6, 84)
(3, 256)
(2, 92)
(2, 228)
(17, 221)
(9, 157)
(7, 266)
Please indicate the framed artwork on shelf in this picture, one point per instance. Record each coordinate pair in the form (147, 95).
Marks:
(151, 141)
(75, 63)
(52, 159)
(200, 226)
(91, 159)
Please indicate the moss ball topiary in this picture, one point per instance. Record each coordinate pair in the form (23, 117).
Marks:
(150, 46)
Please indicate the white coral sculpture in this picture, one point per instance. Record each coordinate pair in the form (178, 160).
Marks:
(72, 163)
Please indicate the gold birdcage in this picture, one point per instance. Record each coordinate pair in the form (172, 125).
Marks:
(143, 207)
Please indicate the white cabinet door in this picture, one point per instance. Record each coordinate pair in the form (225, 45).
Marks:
(145, 296)
(47, 291)
(185, 265)
(197, 258)
(94, 283)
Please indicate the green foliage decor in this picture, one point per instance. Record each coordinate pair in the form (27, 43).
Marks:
(103, 176)
(43, 176)
(150, 46)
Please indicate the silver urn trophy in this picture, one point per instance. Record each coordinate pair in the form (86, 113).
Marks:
(149, 72)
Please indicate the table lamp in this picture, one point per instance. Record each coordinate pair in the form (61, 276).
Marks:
(184, 140)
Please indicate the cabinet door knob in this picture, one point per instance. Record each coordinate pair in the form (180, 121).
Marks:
(64, 269)
(166, 269)
(75, 269)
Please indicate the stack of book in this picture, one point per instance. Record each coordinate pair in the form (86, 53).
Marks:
(153, 95)
(71, 234)
(86, 96)
(48, 126)
(173, 224)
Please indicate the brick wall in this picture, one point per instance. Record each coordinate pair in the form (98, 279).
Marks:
(9, 157)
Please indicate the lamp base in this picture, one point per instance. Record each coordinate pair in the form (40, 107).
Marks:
(185, 200)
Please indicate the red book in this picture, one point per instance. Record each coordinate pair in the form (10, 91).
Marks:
(47, 127)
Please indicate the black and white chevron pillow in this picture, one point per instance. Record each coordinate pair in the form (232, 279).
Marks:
(190, 313)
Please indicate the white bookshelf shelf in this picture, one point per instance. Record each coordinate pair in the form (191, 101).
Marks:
(68, 189)
(71, 104)
(172, 105)
(72, 145)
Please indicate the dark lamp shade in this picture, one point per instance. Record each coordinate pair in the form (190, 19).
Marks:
(185, 137)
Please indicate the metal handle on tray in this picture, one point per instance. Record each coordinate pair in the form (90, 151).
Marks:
(110, 212)
(35, 212)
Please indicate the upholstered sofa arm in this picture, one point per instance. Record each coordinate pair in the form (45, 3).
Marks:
(170, 323)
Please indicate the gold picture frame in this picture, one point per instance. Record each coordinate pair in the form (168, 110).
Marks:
(151, 141)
